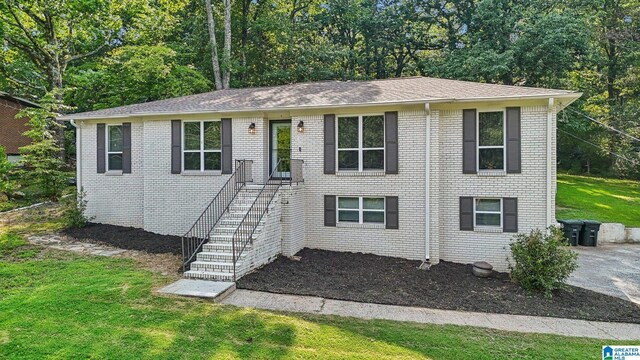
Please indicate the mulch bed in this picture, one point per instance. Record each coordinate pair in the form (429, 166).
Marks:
(127, 238)
(450, 286)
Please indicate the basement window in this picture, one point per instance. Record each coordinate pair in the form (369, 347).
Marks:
(487, 212)
(361, 210)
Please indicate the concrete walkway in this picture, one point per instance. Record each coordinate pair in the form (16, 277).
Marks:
(610, 269)
(519, 323)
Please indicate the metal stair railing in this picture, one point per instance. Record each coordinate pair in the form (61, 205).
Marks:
(198, 234)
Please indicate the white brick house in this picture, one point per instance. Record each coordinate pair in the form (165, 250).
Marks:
(419, 168)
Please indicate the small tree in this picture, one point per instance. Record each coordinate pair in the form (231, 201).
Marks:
(41, 164)
(542, 260)
(74, 211)
(7, 184)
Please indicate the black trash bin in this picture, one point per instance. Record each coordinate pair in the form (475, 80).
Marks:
(572, 230)
(589, 233)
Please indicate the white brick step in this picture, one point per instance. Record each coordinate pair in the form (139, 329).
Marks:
(217, 256)
(209, 275)
(230, 230)
(213, 266)
(221, 247)
(225, 238)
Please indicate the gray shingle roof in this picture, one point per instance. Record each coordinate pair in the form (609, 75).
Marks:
(327, 94)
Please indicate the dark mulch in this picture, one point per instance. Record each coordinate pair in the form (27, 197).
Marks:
(127, 238)
(386, 280)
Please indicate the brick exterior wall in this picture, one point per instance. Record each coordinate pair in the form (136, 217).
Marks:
(11, 129)
(153, 198)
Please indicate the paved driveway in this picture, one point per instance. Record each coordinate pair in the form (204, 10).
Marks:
(609, 269)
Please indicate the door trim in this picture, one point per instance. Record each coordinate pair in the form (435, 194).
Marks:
(280, 121)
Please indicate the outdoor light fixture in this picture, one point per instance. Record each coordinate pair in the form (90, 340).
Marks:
(252, 128)
(301, 126)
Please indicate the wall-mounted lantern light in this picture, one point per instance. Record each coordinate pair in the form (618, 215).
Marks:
(301, 126)
(252, 128)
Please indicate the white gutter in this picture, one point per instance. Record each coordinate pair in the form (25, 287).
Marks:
(427, 183)
(78, 156)
(320, 107)
(550, 164)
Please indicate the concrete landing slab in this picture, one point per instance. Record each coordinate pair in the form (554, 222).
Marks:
(216, 290)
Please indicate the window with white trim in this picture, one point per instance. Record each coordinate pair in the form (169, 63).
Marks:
(360, 142)
(491, 139)
(115, 143)
(201, 146)
(487, 212)
(361, 210)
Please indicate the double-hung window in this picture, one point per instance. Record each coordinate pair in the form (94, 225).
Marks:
(487, 212)
(361, 210)
(202, 145)
(361, 143)
(491, 139)
(115, 142)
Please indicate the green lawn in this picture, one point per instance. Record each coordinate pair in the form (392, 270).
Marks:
(605, 200)
(61, 305)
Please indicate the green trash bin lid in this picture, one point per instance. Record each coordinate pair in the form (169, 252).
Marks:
(592, 222)
(571, 222)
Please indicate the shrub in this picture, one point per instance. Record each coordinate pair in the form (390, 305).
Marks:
(74, 211)
(542, 261)
(7, 184)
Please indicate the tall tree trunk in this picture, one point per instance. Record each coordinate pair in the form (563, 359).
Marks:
(226, 55)
(214, 46)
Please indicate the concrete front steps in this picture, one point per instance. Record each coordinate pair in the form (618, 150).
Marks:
(215, 261)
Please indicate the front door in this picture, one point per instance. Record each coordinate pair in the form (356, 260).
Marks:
(280, 148)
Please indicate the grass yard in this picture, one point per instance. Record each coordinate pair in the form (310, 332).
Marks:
(64, 305)
(605, 200)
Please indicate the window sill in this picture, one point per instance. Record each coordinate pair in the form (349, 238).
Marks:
(487, 229)
(113, 173)
(492, 173)
(360, 226)
(360, 173)
(201, 173)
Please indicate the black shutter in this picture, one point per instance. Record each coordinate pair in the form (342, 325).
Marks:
(391, 210)
(329, 210)
(330, 144)
(391, 142)
(176, 146)
(101, 151)
(126, 148)
(469, 141)
(466, 213)
(514, 162)
(227, 156)
(510, 215)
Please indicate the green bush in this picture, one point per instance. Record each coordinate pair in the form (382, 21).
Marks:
(7, 184)
(74, 211)
(542, 260)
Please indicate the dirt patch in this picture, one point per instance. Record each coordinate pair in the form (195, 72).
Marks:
(163, 264)
(128, 238)
(450, 286)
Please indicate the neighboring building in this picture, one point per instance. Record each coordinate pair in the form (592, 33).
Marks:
(418, 168)
(11, 129)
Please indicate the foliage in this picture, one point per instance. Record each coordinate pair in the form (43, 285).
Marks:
(605, 200)
(7, 184)
(40, 163)
(105, 301)
(74, 212)
(542, 261)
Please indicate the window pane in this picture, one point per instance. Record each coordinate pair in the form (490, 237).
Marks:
(212, 136)
(212, 161)
(487, 204)
(373, 216)
(372, 159)
(348, 216)
(115, 161)
(488, 219)
(491, 159)
(348, 132)
(192, 161)
(373, 203)
(192, 136)
(348, 160)
(490, 128)
(348, 203)
(373, 131)
(115, 138)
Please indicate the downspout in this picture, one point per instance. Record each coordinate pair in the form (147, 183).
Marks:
(549, 163)
(78, 156)
(427, 186)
